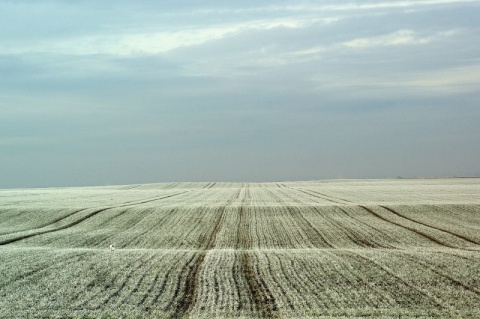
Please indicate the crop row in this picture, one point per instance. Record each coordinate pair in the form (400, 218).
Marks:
(408, 192)
(270, 250)
(263, 283)
(249, 227)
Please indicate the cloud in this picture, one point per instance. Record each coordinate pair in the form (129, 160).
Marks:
(145, 42)
(392, 4)
(401, 37)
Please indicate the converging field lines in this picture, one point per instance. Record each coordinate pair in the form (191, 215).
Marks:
(266, 282)
(246, 227)
(242, 250)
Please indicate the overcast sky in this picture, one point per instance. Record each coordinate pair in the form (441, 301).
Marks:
(121, 92)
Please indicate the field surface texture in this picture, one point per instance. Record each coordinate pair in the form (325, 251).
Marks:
(320, 249)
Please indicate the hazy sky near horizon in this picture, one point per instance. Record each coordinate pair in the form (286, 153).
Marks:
(121, 92)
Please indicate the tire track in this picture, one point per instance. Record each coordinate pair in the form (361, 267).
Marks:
(210, 185)
(74, 223)
(430, 226)
(189, 297)
(46, 224)
(332, 199)
(243, 231)
(386, 235)
(244, 242)
(12, 240)
(171, 185)
(348, 233)
(130, 187)
(150, 199)
(322, 198)
(262, 297)
(430, 238)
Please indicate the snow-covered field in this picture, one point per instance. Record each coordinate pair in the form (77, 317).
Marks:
(336, 248)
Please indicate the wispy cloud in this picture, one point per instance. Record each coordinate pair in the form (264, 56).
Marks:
(391, 4)
(401, 37)
(150, 41)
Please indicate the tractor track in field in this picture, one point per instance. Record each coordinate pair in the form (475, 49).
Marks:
(430, 226)
(262, 297)
(427, 236)
(329, 198)
(189, 296)
(82, 219)
(258, 292)
(46, 224)
(131, 187)
(210, 185)
(273, 251)
(153, 199)
(378, 230)
(349, 233)
(12, 240)
(316, 195)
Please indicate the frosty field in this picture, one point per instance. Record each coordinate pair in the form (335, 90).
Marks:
(320, 249)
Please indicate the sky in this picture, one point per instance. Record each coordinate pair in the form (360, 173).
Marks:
(125, 92)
